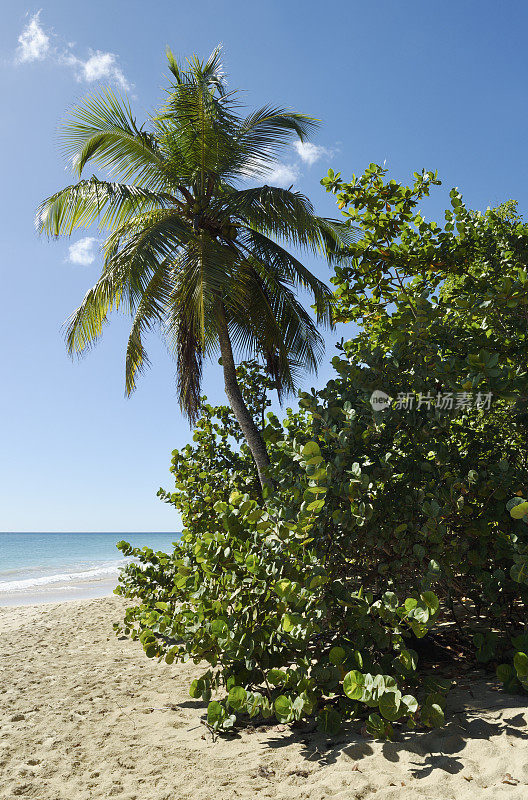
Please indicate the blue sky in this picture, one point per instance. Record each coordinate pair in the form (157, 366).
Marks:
(439, 85)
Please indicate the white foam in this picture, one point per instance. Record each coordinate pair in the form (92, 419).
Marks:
(100, 572)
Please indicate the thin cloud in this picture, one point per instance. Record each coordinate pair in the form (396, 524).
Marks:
(33, 42)
(286, 174)
(98, 66)
(310, 153)
(83, 251)
(283, 175)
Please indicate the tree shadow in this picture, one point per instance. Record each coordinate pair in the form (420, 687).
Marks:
(480, 715)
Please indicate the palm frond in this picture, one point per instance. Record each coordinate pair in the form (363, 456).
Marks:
(290, 217)
(188, 335)
(274, 260)
(85, 325)
(202, 274)
(266, 319)
(264, 133)
(102, 129)
(210, 73)
(150, 313)
(189, 361)
(95, 201)
(141, 244)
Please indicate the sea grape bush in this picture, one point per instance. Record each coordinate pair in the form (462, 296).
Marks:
(380, 523)
(444, 313)
(285, 629)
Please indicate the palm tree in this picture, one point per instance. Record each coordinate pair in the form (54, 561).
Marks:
(188, 249)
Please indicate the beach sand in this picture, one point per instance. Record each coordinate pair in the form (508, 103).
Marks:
(84, 715)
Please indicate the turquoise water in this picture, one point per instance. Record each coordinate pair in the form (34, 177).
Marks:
(38, 567)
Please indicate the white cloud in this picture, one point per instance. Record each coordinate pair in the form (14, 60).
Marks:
(283, 175)
(286, 174)
(33, 42)
(82, 252)
(98, 66)
(310, 153)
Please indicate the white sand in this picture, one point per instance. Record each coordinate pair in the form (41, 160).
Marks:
(85, 716)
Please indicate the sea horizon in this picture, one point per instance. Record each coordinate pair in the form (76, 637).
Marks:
(42, 567)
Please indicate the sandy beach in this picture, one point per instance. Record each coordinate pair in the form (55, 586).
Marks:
(85, 715)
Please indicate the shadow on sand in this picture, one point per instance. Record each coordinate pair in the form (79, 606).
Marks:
(481, 713)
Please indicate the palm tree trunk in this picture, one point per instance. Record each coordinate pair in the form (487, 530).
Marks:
(252, 434)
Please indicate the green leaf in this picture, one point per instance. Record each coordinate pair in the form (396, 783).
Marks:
(308, 703)
(435, 698)
(519, 572)
(316, 505)
(290, 621)
(410, 703)
(283, 588)
(375, 691)
(420, 614)
(518, 511)
(311, 450)
(329, 721)
(317, 489)
(218, 627)
(283, 708)
(433, 715)
(298, 707)
(389, 705)
(408, 660)
(390, 600)
(435, 684)
(434, 567)
(252, 563)
(418, 628)
(431, 601)
(337, 655)
(254, 703)
(378, 727)
(520, 662)
(277, 677)
(215, 713)
(515, 501)
(354, 684)
(237, 698)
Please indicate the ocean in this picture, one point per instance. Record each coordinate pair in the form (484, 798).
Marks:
(51, 567)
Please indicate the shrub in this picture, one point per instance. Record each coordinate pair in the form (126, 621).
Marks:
(382, 521)
(286, 625)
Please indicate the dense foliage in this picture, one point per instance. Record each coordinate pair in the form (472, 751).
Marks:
(384, 518)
